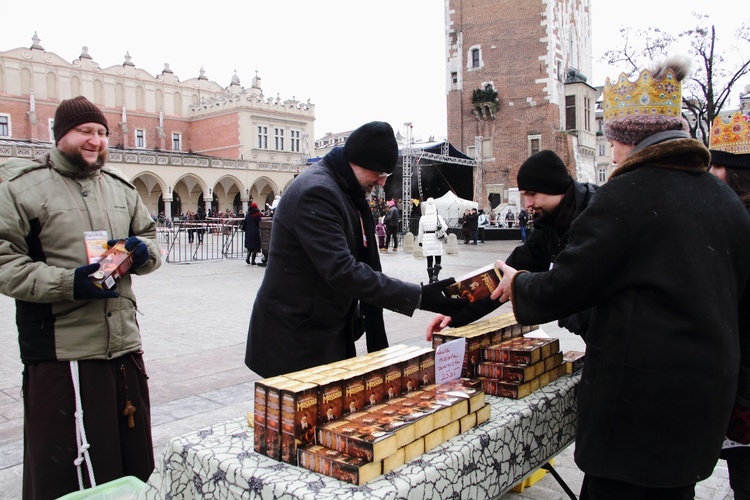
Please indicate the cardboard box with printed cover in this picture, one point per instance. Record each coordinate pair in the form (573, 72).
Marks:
(475, 285)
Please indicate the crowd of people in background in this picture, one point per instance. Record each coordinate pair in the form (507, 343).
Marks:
(380, 207)
(202, 214)
(386, 214)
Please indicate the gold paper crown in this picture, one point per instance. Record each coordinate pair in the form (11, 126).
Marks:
(732, 137)
(643, 97)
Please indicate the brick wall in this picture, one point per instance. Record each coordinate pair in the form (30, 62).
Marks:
(520, 61)
(219, 134)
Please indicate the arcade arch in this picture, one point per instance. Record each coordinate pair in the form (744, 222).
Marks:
(151, 187)
(227, 195)
(187, 194)
(263, 191)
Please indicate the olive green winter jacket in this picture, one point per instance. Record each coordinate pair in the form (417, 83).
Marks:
(46, 206)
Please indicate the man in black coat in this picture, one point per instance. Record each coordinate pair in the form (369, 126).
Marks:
(547, 189)
(324, 287)
(473, 220)
(392, 221)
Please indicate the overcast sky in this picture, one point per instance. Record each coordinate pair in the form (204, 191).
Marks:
(356, 61)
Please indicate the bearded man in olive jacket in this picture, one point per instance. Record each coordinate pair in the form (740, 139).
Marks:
(80, 344)
(324, 286)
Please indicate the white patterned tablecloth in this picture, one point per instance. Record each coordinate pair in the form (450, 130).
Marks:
(484, 462)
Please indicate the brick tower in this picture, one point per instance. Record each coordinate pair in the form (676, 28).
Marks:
(517, 75)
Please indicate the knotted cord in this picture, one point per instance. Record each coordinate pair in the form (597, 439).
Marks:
(82, 442)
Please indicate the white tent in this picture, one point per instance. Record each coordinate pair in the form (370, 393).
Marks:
(452, 208)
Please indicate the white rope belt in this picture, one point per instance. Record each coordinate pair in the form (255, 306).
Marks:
(82, 443)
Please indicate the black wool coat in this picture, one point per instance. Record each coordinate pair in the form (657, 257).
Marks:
(304, 309)
(252, 229)
(661, 254)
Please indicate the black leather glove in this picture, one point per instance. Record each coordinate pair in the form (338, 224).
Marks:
(434, 300)
(141, 253)
(84, 289)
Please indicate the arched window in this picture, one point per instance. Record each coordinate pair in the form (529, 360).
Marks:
(119, 95)
(159, 100)
(139, 98)
(51, 86)
(25, 82)
(75, 86)
(476, 57)
(573, 46)
(98, 92)
(178, 104)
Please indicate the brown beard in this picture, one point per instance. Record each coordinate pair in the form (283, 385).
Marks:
(84, 166)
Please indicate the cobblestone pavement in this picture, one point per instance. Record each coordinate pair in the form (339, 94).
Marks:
(194, 325)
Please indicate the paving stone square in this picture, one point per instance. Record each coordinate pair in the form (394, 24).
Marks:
(194, 320)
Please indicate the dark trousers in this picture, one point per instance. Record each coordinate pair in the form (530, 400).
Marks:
(438, 260)
(391, 231)
(50, 446)
(738, 463)
(602, 488)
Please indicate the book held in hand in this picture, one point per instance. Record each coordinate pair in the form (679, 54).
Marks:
(113, 264)
(476, 285)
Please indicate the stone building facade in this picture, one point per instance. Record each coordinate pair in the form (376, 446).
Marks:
(517, 83)
(184, 144)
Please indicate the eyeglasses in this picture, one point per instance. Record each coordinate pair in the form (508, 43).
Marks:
(90, 132)
(384, 175)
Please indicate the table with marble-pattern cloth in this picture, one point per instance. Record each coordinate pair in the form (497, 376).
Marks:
(483, 462)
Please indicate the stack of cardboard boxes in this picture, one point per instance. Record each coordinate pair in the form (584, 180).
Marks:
(505, 362)
(515, 368)
(359, 418)
(362, 417)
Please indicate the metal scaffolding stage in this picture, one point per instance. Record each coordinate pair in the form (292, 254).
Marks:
(412, 154)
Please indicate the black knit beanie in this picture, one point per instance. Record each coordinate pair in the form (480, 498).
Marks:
(73, 112)
(544, 172)
(725, 159)
(373, 146)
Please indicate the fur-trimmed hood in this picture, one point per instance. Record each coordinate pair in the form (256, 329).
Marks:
(671, 150)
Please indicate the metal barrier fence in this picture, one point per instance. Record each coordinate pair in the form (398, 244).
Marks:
(184, 242)
(199, 241)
